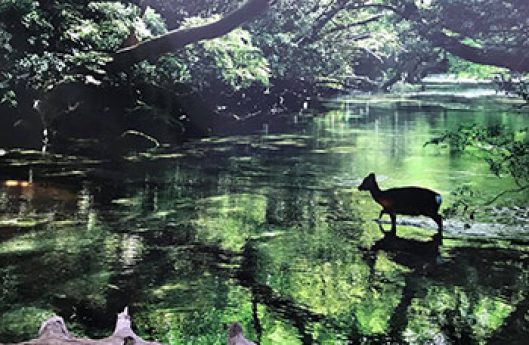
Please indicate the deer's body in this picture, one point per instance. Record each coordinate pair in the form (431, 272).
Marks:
(412, 201)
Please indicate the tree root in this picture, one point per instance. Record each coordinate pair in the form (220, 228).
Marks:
(53, 332)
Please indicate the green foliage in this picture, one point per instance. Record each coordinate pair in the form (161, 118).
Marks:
(505, 151)
(8, 284)
(18, 5)
(42, 45)
(40, 70)
(233, 57)
(297, 49)
(7, 96)
(225, 64)
(168, 71)
(109, 26)
(463, 198)
(463, 68)
(153, 22)
(22, 320)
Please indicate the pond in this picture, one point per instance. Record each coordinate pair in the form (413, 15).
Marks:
(270, 230)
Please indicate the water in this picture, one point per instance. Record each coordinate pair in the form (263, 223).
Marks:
(269, 229)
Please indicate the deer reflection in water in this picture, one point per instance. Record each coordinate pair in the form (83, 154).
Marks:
(419, 255)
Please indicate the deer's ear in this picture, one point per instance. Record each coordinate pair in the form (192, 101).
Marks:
(371, 175)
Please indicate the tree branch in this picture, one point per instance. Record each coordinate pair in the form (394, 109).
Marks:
(509, 191)
(332, 11)
(320, 23)
(351, 25)
(514, 59)
(176, 39)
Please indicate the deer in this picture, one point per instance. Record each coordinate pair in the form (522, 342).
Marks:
(412, 201)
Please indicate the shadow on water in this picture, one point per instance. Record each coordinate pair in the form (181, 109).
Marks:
(268, 230)
(463, 267)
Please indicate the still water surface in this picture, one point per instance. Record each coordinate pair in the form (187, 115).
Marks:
(269, 229)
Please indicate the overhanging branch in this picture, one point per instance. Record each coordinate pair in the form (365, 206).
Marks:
(350, 25)
(514, 59)
(173, 40)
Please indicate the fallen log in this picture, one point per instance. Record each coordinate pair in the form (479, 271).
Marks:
(54, 332)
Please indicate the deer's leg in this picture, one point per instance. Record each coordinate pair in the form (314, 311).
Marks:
(393, 217)
(381, 213)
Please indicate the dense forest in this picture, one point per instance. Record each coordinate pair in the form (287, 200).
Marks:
(202, 165)
(106, 69)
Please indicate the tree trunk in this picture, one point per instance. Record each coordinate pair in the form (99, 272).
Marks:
(53, 332)
(176, 39)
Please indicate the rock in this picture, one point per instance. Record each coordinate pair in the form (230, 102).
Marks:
(235, 336)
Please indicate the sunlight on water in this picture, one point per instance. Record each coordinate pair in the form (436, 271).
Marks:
(270, 230)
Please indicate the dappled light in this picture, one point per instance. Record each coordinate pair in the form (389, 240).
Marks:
(264, 172)
(271, 232)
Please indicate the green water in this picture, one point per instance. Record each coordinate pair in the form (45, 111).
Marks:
(269, 229)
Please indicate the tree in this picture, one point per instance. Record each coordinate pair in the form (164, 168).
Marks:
(67, 56)
(176, 39)
(505, 151)
(489, 32)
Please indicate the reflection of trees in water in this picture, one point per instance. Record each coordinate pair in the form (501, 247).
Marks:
(300, 316)
(471, 275)
(91, 272)
(514, 328)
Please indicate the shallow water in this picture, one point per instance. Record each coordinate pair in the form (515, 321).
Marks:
(269, 229)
